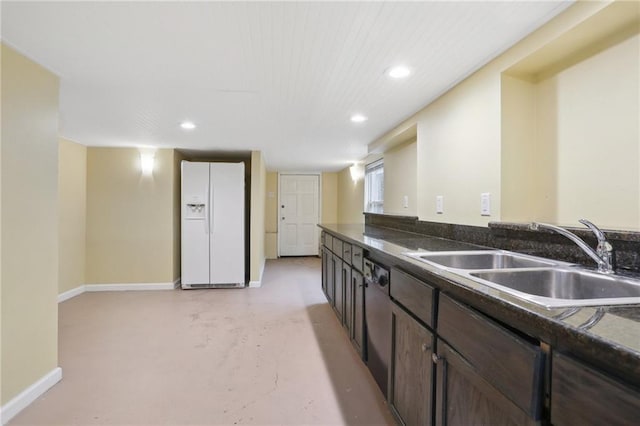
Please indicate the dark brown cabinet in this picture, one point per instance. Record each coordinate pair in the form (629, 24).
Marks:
(343, 284)
(325, 262)
(357, 257)
(328, 267)
(581, 395)
(454, 365)
(338, 284)
(465, 397)
(485, 373)
(411, 372)
(347, 319)
(357, 328)
(346, 253)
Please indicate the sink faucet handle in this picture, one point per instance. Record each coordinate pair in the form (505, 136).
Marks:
(597, 231)
(604, 248)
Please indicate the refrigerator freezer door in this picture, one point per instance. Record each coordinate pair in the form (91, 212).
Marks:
(227, 223)
(195, 223)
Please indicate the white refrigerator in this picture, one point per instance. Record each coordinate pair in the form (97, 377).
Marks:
(212, 225)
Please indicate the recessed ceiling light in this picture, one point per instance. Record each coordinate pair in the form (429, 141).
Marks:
(358, 118)
(188, 125)
(400, 71)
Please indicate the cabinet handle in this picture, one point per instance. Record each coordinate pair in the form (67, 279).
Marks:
(444, 387)
(425, 347)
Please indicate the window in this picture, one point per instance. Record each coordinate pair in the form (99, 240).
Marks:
(374, 187)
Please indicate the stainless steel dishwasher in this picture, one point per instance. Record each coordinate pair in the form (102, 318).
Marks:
(377, 312)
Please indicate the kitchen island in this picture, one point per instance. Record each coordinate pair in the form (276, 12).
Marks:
(479, 350)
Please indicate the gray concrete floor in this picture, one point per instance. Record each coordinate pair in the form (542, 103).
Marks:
(263, 356)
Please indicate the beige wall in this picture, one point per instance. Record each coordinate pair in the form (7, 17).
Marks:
(271, 216)
(329, 198)
(571, 142)
(459, 151)
(258, 197)
(523, 183)
(597, 137)
(400, 179)
(177, 212)
(177, 241)
(350, 198)
(29, 223)
(72, 210)
(130, 217)
(478, 137)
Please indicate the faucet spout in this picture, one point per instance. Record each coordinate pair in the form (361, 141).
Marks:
(603, 255)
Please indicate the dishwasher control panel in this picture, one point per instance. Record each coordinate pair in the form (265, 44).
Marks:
(375, 273)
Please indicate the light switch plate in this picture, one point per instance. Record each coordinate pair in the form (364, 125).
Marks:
(485, 204)
(439, 204)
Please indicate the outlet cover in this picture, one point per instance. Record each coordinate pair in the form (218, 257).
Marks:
(485, 204)
(405, 201)
(439, 204)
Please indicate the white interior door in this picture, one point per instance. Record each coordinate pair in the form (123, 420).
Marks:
(299, 215)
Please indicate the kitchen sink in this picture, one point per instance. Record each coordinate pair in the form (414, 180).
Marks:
(481, 260)
(564, 287)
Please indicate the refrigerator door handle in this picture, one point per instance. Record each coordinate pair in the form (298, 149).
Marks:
(211, 208)
(206, 214)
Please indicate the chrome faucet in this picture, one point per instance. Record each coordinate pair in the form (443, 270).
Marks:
(603, 254)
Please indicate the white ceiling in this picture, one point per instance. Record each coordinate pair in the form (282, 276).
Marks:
(280, 77)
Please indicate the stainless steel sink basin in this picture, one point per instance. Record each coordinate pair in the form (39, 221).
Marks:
(481, 260)
(564, 287)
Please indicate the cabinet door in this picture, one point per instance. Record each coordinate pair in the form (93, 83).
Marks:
(348, 297)
(330, 274)
(357, 329)
(464, 397)
(411, 371)
(508, 362)
(357, 257)
(338, 301)
(582, 395)
(325, 263)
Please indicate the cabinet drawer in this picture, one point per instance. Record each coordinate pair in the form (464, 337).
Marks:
(507, 361)
(346, 252)
(414, 294)
(357, 257)
(328, 241)
(337, 246)
(581, 395)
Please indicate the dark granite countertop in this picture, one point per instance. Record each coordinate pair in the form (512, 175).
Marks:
(612, 343)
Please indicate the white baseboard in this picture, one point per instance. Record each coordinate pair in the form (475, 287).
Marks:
(70, 293)
(117, 287)
(129, 287)
(177, 282)
(30, 394)
(258, 283)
